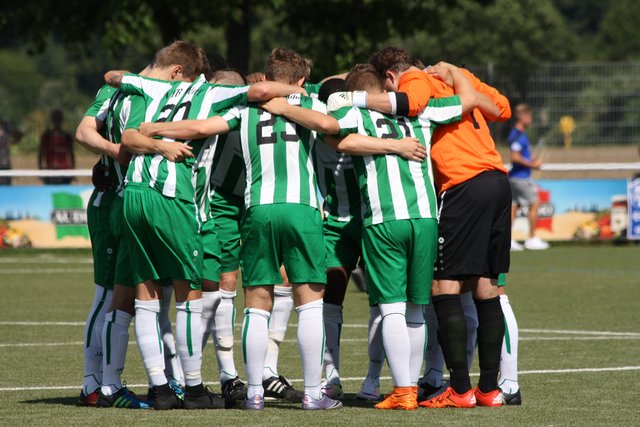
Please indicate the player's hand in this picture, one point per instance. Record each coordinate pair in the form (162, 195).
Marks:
(146, 128)
(441, 72)
(100, 178)
(255, 78)
(124, 156)
(275, 106)
(339, 100)
(536, 163)
(175, 151)
(411, 149)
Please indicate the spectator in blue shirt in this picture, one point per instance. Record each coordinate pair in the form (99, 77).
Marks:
(523, 187)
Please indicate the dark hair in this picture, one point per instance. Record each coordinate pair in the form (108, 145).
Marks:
(192, 58)
(57, 115)
(329, 87)
(285, 65)
(364, 77)
(394, 59)
(233, 75)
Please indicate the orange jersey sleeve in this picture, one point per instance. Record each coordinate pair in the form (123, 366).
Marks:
(419, 88)
(493, 94)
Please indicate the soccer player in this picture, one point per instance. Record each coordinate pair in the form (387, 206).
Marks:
(474, 228)
(523, 187)
(281, 226)
(400, 227)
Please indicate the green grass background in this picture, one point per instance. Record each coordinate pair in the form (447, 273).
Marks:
(593, 288)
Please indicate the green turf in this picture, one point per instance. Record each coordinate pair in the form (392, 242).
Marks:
(567, 288)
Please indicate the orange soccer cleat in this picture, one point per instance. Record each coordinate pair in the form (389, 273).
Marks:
(400, 398)
(492, 398)
(450, 399)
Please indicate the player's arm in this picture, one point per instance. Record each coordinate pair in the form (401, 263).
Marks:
(488, 97)
(517, 158)
(114, 77)
(266, 90)
(364, 145)
(305, 117)
(186, 129)
(87, 135)
(454, 77)
(137, 143)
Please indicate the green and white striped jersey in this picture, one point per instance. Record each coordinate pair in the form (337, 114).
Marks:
(189, 179)
(393, 188)
(338, 184)
(118, 115)
(277, 155)
(98, 109)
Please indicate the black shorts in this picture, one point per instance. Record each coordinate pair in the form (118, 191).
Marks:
(474, 233)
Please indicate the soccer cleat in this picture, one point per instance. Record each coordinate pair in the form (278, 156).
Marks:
(280, 388)
(177, 388)
(256, 403)
(333, 391)
(234, 389)
(492, 398)
(163, 397)
(370, 390)
(90, 399)
(512, 398)
(405, 398)
(123, 398)
(450, 399)
(516, 247)
(536, 244)
(200, 397)
(324, 403)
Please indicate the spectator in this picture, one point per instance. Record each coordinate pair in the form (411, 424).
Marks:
(523, 187)
(8, 136)
(56, 150)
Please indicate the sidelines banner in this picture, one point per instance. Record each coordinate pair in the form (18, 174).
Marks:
(580, 209)
(47, 216)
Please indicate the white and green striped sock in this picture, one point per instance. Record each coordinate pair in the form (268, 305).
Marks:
(255, 340)
(311, 346)
(189, 339)
(417, 339)
(280, 313)
(115, 341)
(332, 326)
(508, 377)
(210, 303)
(224, 318)
(93, 339)
(149, 340)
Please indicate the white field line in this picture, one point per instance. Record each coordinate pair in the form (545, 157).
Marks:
(44, 270)
(578, 332)
(45, 260)
(349, 379)
(343, 340)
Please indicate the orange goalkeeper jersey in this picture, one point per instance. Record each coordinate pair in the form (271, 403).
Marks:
(459, 151)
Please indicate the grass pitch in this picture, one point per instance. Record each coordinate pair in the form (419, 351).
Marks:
(577, 308)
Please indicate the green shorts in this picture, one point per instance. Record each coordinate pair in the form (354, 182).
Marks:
(283, 234)
(123, 274)
(163, 237)
(104, 245)
(211, 247)
(502, 280)
(343, 240)
(226, 211)
(399, 257)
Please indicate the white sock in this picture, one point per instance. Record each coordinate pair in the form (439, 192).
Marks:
(375, 348)
(433, 357)
(172, 366)
(508, 378)
(93, 339)
(332, 327)
(311, 346)
(149, 340)
(417, 338)
(188, 335)
(115, 341)
(397, 346)
(282, 305)
(210, 302)
(471, 318)
(255, 340)
(225, 318)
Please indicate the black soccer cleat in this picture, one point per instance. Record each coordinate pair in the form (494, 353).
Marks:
(123, 398)
(199, 397)
(512, 398)
(162, 397)
(234, 389)
(281, 388)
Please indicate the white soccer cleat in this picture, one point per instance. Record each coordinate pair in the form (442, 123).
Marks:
(536, 244)
(516, 247)
(370, 390)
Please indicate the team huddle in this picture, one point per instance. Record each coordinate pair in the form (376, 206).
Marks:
(293, 185)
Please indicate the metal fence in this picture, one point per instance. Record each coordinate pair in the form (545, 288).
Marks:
(598, 102)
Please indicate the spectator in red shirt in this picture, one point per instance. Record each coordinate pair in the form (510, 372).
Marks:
(56, 149)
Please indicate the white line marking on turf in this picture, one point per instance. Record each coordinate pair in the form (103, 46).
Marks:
(345, 379)
(46, 261)
(45, 270)
(578, 332)
(7, 323)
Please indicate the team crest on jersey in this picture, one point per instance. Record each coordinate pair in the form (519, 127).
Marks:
(294, 99)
